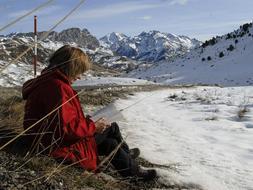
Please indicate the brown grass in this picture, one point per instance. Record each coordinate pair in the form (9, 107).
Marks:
(104, 96)
(242, 112)
(12, 113)
(45, 168)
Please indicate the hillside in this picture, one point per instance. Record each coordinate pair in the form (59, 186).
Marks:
(224, 60)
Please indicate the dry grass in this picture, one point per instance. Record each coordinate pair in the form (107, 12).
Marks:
(242, 112)
(12, 113)
(45, 168)
(212, 118)
(104, 96)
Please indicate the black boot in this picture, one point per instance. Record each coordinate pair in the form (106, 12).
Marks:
(134, 153)
(146, 174)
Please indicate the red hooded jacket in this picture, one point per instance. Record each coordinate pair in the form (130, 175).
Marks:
(66, 133)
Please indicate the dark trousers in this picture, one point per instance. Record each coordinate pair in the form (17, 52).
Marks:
(107, 142)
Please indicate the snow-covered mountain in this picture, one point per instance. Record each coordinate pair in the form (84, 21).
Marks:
(74, 36)
(225, 60)
(150, 46)
(105, 62)
(71, 35)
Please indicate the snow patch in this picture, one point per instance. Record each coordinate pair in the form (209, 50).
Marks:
(197, 129)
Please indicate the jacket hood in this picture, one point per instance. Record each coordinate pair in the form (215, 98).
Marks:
(46, 76)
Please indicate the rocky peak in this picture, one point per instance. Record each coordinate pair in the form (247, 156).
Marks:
(86, 31)
(80, 37)
(72, 35)
(114, 37)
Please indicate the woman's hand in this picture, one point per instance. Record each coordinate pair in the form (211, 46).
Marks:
(101, 125)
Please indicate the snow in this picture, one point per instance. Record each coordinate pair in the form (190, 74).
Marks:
(26, 40)
(104, 51)
(186, 41)
(109, 81)
(197, 129)
(51, 45)
(159, 35)
(112, 38)
(132, 45)
(17, 73)
(120, 36)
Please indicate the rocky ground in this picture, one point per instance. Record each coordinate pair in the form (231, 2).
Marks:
(20, 171)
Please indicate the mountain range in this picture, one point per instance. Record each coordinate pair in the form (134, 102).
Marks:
(14, 44)
(150, 46)
(71, 35)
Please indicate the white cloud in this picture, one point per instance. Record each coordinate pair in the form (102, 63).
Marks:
(145, 17)
(180, 2)
(114, 10)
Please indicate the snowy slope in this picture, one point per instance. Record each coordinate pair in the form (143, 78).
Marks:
(149, 46)
(17, 74)
(109, 81)
(205, 132)
(227, 60)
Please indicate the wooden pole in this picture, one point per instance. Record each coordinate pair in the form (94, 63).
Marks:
(35, 46)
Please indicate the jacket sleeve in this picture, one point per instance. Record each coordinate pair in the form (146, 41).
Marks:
(74, 124)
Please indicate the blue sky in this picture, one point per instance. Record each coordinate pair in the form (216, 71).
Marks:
(201, 19)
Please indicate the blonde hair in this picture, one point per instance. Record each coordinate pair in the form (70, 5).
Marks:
(70, 60)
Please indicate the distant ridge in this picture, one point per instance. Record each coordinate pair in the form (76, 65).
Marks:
(150, 46)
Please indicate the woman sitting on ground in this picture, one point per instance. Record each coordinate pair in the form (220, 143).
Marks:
(66, 133)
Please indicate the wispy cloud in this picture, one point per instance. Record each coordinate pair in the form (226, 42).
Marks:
(145, 17)
(177, 2)
(113, 10)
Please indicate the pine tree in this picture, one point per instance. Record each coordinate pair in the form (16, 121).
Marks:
(221, 54)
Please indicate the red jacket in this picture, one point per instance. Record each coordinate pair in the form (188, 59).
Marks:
(67, 134)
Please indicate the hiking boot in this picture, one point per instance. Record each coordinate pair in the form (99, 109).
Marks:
(146, 174)
(134, 153)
